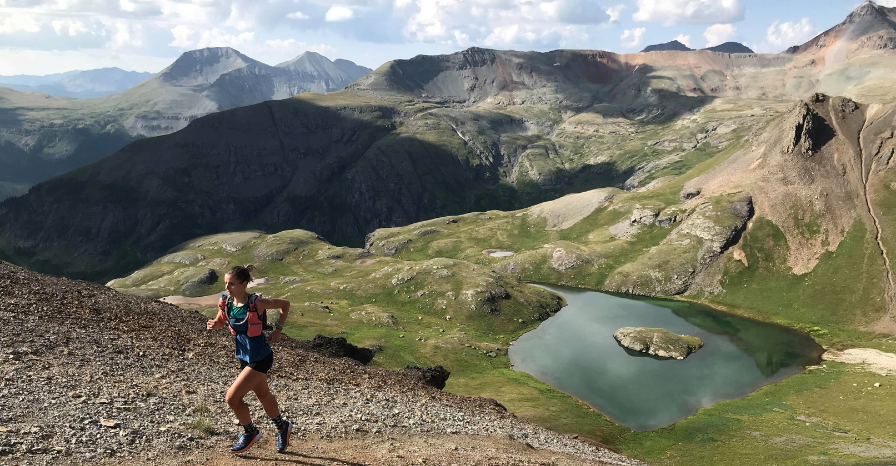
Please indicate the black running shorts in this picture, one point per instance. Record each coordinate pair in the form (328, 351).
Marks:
(262, 365)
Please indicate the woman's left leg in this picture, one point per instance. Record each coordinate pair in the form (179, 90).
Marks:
(267, 399)
(284, 427)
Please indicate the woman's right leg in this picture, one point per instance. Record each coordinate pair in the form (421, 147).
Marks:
(244, 383)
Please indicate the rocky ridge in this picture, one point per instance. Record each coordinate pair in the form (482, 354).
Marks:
(129, 379)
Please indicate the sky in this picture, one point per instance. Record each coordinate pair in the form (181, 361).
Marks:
(41, 37)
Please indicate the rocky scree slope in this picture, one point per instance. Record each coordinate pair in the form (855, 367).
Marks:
(124, 379)
(43, 136)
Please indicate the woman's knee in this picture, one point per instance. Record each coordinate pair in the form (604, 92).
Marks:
(232, 399)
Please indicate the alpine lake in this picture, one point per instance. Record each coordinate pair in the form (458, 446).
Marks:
(575, 352)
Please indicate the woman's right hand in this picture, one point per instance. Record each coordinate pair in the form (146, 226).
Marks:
(210, 325)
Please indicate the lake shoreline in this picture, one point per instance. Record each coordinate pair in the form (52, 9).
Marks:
(776, 351)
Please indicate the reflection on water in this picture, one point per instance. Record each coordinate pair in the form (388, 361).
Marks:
(575, 352)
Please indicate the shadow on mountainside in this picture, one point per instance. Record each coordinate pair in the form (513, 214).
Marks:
(82, 144)
(273, 166)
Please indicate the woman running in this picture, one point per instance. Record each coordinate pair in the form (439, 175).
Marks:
(242, 312)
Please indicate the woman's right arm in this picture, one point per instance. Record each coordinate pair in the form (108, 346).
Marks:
(218, 322)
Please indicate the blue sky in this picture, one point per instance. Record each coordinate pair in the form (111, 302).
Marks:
(49, 36)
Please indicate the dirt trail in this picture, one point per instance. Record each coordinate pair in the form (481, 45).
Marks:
(887, 323)
(467, 450)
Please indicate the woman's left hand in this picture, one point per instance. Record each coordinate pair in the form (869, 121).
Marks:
(274, 337)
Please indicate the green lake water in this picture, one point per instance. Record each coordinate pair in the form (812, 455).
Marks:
(574, 352)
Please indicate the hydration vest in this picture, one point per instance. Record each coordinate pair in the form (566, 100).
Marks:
(255, 322)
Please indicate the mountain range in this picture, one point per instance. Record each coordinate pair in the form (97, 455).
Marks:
(425, 137)
(727, 47)
(46, 136)
(77, 84)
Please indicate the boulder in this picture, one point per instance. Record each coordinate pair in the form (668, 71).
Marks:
(339, 347)
(644, 216)
(657, 342)
(689, 193)
(195, 281)
(434, 376)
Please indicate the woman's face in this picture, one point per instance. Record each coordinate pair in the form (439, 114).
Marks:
(234, 286)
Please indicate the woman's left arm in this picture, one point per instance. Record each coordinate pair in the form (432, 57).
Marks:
(275, 303)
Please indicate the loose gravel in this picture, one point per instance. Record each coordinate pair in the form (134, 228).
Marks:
(89, 375)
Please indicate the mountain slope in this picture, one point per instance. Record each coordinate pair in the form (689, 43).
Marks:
(161, 396)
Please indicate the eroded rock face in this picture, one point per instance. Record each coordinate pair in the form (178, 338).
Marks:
(807, 127)
(657, 342)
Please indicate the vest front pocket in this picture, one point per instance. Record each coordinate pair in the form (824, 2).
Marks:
(254, 329)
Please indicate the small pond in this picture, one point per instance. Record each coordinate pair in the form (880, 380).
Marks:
(575, 352)
(501, 253)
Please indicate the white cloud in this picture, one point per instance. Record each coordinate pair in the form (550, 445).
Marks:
(126, 34)
(297, 47)
(339, 13)
(218, 38)
(19, 23)
(182, 37)
(280, 44)
(502, 23)
(719, 33)
(614, 12)
(297, 15)
(631, 38)
(686, 40)
(575, 11)
(69, 27)
(787, 34)
(669, 12)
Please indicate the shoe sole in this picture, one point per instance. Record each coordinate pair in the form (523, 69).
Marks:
(288, 435)
(247, 447)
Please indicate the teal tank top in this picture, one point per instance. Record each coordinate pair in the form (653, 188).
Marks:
(249, 349)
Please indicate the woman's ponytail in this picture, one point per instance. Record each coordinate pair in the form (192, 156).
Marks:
(241, 273)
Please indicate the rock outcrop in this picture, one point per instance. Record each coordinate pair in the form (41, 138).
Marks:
(339, 347)
(435, 376)
(657, 342)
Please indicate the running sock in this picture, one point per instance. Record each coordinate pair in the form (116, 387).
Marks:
(249, 428)
(279, 421)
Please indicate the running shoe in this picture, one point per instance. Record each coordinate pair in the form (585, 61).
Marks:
(283, 437)
(245, 440)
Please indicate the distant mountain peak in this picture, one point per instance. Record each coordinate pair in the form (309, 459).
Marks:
(673, 45)
(730, 47)
(870, 27)
(872, 13)
(204, 66)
